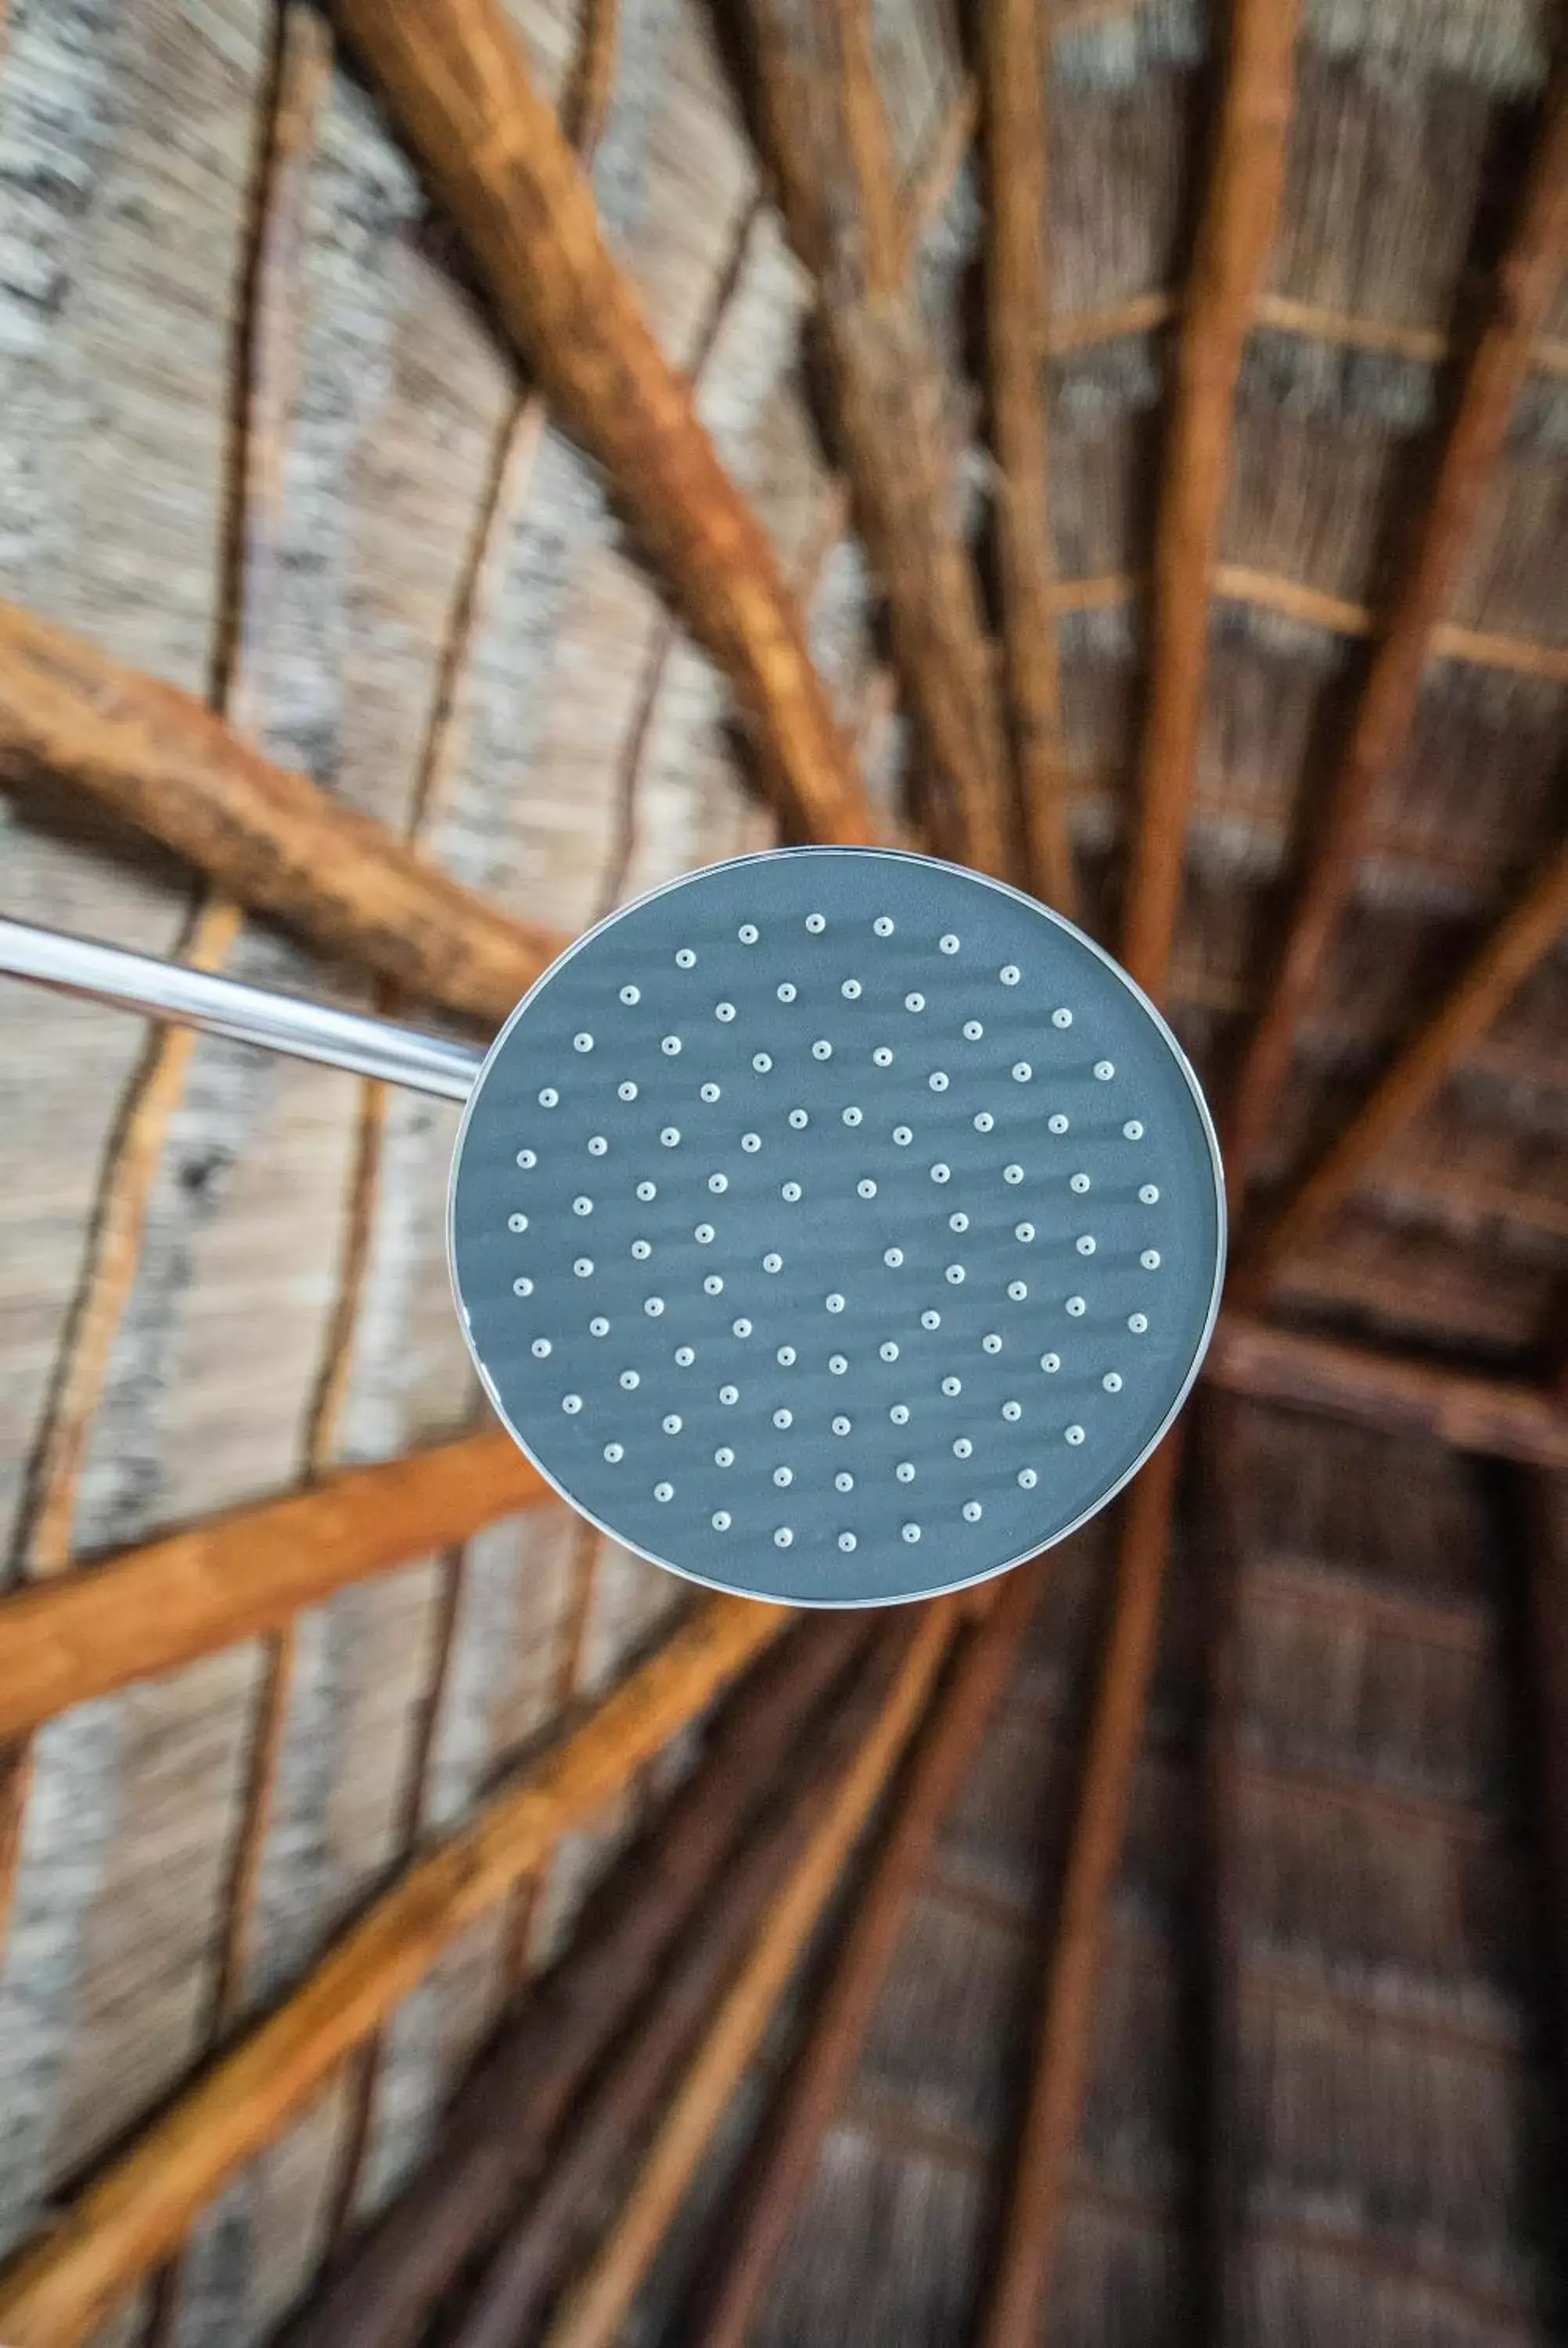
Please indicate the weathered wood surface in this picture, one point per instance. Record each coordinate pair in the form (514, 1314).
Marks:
(778, 2173)
(1502, 1416)
(82, 1635)
(460, 90)
(140, 2206)
(590, 2156)
(1241, 206)
(1013, 66)
(827, 135)
(593, 2310)
(494, 2140)
(158, 759)
(1527, 278)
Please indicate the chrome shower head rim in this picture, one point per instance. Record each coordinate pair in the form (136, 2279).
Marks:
(1002, 889)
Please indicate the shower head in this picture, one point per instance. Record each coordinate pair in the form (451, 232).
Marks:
(837, 1226)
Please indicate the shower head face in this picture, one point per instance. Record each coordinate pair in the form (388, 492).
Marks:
(837, 1226)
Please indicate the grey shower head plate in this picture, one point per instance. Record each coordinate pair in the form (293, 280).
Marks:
(837, 1226)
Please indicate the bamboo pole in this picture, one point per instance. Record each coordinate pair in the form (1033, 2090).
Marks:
(585, 2165)
(760, 2215)
(1013, 64)
(1526, 933)
(826, 137)
(158, 758)
(594, 2310)
(1059, 2075)
(501, 2127)
(453, 75)
(1234, 237)
(1527, 279)
(1499, 1417)
(144, 2200)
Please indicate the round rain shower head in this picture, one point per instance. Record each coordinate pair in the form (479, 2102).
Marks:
(837, 1226)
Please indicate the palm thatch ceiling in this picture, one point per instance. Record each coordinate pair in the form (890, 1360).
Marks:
(463, 462)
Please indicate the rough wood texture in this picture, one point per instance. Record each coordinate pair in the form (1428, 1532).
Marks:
(141, 2205)
(1013, 60)
(1237, 232)
(1527, 279)
(492, 2142)
(1490, 1415)
(1546, 1606)
(1525, 935)
(79, 1636)
(1060, 2072)
(455, 77)
(828, 139)
(586, 2164)
(759, 2215)
(156, 757)
(593, 2311)
(1222, 2197)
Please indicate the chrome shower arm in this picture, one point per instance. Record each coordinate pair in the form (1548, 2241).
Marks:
(246, 1015)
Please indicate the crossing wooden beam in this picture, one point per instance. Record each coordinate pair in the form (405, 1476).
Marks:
(1526, 282)
(159, 759)
(453, 75)
(1236, 235)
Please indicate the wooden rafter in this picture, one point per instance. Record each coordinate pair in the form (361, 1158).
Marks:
(1060, 2072)
(593, 2311)
(826, 137)
(79, 1636)
(495, 2138)
(1497, 1417)
(1527, 278)
(935, 174)
(158, 759)
(758, 2220)
(455, 77)
(1526, 933)
(1013, 56)
(145, 2200)
(1234, 239)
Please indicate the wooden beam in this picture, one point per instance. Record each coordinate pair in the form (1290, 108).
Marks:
(1236, 235)
(145, 2199)
(1520, 940)
(589, 2158)
(1013, 56)
(158, 759)
(827, 139)
(1527, 279)
(760, 2214)
(496, 2139)
(1497, 1417)
(82, 1635)
(453, 75)
(593, 2311)
(1059, 2075)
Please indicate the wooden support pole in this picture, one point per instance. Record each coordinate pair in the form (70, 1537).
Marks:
(1527, 279)
(82, 1635)
(143, 2201)
(827, 137)
(1520, 940)
(1013, 64)
(499, 2131)
(1234, 239)
(160, 760)
(453, 75)
(593, 2311)
(758, 2217)
(585, 2166)
(1497, 1417)
(1060, 2073)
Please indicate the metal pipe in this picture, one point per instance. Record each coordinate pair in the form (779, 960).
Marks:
(246, 1015)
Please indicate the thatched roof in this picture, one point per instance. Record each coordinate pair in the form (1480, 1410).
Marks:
(1121, 443)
